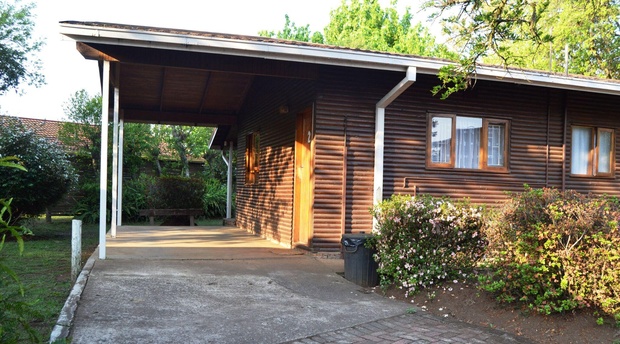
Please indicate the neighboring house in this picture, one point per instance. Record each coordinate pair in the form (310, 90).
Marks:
(328, 131)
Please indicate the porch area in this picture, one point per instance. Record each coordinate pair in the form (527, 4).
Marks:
(191, 242)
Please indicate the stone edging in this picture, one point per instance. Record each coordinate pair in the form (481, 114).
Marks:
(65, 319)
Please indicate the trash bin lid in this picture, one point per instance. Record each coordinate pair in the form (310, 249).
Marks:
(354, 239)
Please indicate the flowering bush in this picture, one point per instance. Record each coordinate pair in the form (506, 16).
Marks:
(555, 251)
(421, 241)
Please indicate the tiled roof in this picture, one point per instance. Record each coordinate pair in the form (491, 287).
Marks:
(43, 127)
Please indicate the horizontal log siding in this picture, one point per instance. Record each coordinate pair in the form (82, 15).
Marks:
(525, 107)
(266, 208)
(596, 111)
(351, 94)
(536, 158)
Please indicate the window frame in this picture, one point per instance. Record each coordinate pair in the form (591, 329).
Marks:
(594, 154)
(252, 157)
(484, 136)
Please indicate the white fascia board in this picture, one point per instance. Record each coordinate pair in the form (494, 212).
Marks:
(320, 55)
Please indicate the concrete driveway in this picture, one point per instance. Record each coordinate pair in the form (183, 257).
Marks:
(223, 285)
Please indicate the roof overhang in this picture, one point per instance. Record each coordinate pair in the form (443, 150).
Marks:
(265, 48)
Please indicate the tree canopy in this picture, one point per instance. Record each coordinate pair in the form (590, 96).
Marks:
(365, 24)
(18, 62)
(530, 34)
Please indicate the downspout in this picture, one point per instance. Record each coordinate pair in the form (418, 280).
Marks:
(409, 79)
(343, 210)
(228, 179)
(564, 134)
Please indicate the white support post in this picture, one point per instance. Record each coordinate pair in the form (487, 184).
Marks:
(103, 163)
(114, 165)
(121, 134)
(229, 182)
(76, 249)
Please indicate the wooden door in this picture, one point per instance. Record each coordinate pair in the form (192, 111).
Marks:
(304, 200)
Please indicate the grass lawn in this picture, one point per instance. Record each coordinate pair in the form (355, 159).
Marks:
(44, 268)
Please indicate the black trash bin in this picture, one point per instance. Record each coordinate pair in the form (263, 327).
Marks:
(359, 265)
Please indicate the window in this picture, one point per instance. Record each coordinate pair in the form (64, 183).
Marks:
(592, 151)
(467, 143)
(252, 149)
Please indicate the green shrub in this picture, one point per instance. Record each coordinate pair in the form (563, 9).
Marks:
(176, 193)
(422, 241)
(215, 199)
(555, 251)
(49, 175)
(135, 193)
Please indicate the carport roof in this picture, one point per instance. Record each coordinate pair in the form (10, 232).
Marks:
(188, 77)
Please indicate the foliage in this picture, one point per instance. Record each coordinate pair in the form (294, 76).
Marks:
(49, 175)
(18, 63)
(186, 141)
(364, 24)
(421, 241)
(530, 34)
(43, 269)
(214, 199)
(176, 193)
(14, 312)
(555, 251)
(294, 33)
(135, 196)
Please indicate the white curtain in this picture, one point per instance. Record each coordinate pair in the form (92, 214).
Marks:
(604, 151)
(468, 142)
(441, 140)
(495, 145)
(580, 150)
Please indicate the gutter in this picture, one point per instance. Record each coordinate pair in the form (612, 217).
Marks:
(409, 79)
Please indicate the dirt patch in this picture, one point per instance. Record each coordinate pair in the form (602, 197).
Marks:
(468, 304)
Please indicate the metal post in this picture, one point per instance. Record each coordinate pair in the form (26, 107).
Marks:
(103, 165)
(121, 134)
(114, 164)
(229, 182)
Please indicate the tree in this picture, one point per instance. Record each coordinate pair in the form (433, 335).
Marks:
(364, 24)
(49, 175)
(186, 141)
(294, 33)
(83, 133)
(17, 47)
(531, 34)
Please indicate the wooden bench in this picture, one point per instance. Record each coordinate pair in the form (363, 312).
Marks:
(151, 213)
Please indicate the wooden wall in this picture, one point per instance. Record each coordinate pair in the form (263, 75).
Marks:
(344, 113)
(347, 98)
(266, 207)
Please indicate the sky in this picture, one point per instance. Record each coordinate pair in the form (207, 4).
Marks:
(67, 72)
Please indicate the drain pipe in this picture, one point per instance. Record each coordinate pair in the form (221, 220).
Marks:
(409, 79)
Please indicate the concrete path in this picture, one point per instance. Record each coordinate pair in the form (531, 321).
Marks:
(222, 285)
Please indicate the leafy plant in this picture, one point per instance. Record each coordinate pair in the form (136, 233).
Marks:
(176, 193)
(214, 199)
(555, 251)
(13, 311)
(49, 176)
(422, 241)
